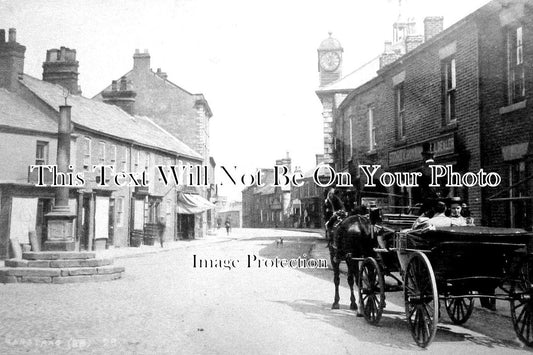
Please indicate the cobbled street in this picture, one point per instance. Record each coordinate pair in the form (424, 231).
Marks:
(165, 305)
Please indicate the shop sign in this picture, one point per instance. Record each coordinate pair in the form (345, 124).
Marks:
(442, 145)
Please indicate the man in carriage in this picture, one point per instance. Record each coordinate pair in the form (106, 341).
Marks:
(334, 211)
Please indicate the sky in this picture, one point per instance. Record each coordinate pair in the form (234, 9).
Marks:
(255, 61)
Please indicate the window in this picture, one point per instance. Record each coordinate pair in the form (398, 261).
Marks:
(86, 153)
(371, 129)
(101, 153)
(136, 158)
(351, 137)
(400, 110)
(448, 89)
(120, 211)
(41, 153)
(113, 160)
(147, 165)
(124, 162)
(516, 88)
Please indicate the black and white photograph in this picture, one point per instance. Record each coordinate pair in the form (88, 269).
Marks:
(281, 177)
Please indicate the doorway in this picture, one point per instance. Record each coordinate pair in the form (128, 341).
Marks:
(185, 226)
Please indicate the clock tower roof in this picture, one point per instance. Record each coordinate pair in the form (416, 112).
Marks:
(329, 44)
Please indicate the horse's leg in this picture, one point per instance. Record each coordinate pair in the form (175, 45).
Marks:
(353, 275)
(349, 263)
(336, 278)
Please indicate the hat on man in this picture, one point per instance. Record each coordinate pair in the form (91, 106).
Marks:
(456, 200)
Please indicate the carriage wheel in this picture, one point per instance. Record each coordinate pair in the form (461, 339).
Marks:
(522, 302)
(371, 290)
(421, 299)
(459, 309)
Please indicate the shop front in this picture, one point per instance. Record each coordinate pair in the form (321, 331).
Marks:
(190, 210)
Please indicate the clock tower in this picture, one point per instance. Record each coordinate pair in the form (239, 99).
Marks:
(329, 60)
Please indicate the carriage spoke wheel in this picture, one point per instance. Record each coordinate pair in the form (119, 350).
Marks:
(459, 309)
(522, 302)
(371, 290)
(421, 299)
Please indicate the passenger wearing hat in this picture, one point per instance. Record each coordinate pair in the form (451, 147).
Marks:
(455, 212)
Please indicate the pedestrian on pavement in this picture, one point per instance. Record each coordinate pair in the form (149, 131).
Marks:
(228, 225)
(161, 224)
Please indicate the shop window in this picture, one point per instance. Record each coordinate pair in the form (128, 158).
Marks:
(449, 89)
(41, 153)
(399, 95)
(516, 88)
(520, 204)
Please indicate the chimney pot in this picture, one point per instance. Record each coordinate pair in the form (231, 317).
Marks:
(123, 84)
(388, 47)
(137, 51)
(145, 50)
(12, 35)
(114, 85)
(2, 36)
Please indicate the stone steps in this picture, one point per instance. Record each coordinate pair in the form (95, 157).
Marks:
(59, 267)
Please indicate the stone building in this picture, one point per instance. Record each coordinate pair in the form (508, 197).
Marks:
(267, 206)
(101, 135)
(462, 96)
(145, 92)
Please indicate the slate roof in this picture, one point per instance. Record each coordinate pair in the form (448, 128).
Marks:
(15, 112)
(356, 78)
(108, 119)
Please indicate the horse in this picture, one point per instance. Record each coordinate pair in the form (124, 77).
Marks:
(353, 237)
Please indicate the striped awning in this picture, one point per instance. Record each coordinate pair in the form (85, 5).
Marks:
(191, 204)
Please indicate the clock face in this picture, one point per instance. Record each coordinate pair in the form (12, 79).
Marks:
(330, 61)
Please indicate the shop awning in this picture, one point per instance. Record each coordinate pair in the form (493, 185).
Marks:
(191, 204)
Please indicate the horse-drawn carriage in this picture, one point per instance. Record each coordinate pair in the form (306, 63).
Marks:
(452, 264)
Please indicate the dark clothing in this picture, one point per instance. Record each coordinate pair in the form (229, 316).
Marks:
(228, 227)
(332, 205)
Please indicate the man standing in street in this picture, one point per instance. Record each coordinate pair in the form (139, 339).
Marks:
(161, 224)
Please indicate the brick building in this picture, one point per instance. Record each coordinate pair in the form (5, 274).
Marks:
(267, 206)
(101, 134)
(145, 92)
(461, 94)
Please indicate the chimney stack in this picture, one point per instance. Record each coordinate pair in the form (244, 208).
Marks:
(161, 74)
(11, 60)
(433, 26)
(61, 67)
(121, 96)
(141, 61)
(12, 35)
(413, 41)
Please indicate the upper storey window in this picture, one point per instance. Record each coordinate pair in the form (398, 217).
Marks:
(516, 88)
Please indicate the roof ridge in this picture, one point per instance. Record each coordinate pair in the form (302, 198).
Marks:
(351, 73)
(170, 82)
